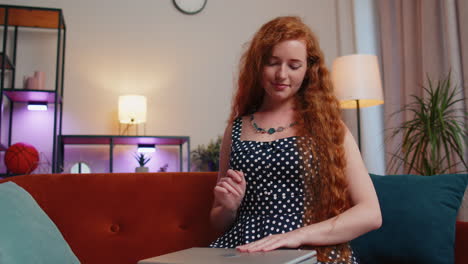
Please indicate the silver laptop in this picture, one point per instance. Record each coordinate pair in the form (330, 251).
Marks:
(221, 255)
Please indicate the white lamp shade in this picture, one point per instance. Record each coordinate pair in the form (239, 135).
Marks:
(132, 109)
(357, 77)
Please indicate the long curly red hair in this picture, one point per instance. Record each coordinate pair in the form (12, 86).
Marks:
(320, 129)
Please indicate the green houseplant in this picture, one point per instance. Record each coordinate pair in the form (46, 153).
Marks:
(142, 159)
(207, 157)
(433, 140)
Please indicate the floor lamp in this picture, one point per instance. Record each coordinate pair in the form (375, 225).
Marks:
(357, 84)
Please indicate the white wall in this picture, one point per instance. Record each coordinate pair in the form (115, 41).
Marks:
(185, 65)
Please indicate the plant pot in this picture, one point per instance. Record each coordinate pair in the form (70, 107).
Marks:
(141, 169)
(212, 166)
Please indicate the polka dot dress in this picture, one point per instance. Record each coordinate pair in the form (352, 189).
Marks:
(274, 196)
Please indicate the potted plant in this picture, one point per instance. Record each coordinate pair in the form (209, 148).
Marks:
(206, 158)
(163, 168)
(435, 138)
(142, 160)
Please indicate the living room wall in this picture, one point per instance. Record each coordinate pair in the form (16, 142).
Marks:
(185, 65)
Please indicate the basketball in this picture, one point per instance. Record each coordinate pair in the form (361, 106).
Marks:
(21, 158)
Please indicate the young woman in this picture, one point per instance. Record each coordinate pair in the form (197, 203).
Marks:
(290, 173)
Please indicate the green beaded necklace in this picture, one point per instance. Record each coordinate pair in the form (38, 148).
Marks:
(270, 131)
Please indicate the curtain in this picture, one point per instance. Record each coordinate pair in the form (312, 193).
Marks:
(421, 38)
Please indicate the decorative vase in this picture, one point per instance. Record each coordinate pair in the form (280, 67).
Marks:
(141, 169)
(31, 83)
(40, 78)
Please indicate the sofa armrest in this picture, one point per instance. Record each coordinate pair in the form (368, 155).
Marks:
(461, 243)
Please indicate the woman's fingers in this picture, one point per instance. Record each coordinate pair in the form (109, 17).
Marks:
(269, 244)
(237, 176)
(220, 189)
(266, 244)
(231, 182)
(230, 188)
(252, 246)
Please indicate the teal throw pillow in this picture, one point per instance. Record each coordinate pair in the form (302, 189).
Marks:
(27, 235)
(419, 217)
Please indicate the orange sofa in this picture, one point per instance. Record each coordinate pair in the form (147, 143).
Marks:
(125, 217)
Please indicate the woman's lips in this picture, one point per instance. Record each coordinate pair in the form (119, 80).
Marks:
(280, 86)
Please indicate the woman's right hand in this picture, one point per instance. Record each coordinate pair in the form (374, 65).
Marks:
(230, 190)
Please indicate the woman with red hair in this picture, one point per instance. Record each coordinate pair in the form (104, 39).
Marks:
(290, 173)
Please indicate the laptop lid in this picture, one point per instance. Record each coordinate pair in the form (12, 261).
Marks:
(221, 255)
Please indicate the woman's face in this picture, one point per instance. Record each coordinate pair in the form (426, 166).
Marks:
(284, 70)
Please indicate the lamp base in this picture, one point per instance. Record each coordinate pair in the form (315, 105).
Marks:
(126, 129)
(358, 117)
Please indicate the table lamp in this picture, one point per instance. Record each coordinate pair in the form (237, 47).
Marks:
(132, 110)
(357, 84)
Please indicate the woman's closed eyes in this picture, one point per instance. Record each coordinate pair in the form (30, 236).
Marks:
(292, 66)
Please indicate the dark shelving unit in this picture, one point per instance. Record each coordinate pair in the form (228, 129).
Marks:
(14, 19)
(112, 140)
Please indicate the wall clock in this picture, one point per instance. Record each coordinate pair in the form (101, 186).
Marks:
(190, 7)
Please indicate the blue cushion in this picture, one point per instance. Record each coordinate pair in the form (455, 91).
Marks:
(27, 235)
(419, 217)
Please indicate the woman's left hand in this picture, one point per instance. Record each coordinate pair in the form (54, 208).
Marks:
(287, 240)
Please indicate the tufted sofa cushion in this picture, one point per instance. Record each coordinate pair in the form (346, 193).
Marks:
(125, 217)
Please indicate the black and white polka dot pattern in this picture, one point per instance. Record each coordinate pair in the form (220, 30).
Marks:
(274, 196)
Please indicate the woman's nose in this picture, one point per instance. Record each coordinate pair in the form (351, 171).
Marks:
(281, 73)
